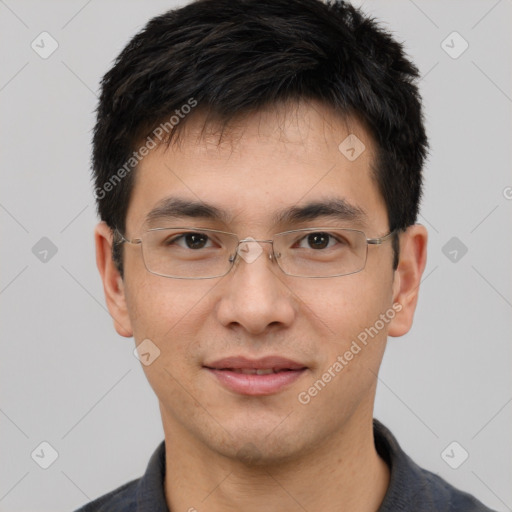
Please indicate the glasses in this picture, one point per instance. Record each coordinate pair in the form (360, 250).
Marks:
(196, 253)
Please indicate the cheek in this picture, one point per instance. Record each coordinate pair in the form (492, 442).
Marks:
(350, 351)
(167, 311)
(353, 345)
(170, 314)
(347, 305)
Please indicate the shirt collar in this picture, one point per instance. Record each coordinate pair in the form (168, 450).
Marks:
(150, 489)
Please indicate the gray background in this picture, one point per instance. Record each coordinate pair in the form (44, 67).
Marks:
(67, 378)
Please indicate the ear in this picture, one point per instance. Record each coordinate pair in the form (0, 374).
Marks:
(113, 285)
(413, 258)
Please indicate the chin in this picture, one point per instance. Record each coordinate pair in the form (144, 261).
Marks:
(257, 449)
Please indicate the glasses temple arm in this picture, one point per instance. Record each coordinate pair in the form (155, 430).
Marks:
(378, 241)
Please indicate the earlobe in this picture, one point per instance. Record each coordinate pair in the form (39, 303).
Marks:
(413, 258)
(113, 285)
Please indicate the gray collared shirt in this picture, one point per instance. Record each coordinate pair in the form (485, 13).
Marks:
(411, 488)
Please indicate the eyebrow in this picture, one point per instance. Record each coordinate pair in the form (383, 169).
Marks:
(174, 207)
(335, 208)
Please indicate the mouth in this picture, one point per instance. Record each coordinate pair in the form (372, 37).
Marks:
(265, 376)
(254, 371)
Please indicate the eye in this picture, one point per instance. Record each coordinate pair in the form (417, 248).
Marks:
(189, 240)
(317, 241)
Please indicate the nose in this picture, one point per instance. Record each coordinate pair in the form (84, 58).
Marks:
(254, 295)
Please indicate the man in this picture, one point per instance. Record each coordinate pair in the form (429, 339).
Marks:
(258, 173)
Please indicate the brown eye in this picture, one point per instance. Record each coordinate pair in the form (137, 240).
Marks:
(318, 240)
(189, 240)
(195, 240)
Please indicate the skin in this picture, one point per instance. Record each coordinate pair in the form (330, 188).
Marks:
(225, 451)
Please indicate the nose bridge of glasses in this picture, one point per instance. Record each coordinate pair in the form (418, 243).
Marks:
(253, 240)
(249, 249)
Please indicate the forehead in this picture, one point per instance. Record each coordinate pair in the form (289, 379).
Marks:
(260, 168)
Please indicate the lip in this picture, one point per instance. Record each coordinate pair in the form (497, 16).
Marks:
(227, 371)
(243, 363)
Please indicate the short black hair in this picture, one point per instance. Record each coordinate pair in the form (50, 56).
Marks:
(233, 57)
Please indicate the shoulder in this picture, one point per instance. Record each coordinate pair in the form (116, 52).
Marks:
(121, 499)
(445, 497)
(140, 495)
(412, 488)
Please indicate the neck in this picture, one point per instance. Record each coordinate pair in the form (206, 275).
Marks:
(344, 473)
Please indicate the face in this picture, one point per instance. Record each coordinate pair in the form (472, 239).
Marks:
(310, 329)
